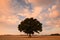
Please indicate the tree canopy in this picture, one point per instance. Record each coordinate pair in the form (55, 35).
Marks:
(29, 26)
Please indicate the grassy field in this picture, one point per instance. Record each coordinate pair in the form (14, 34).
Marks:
(17, 37)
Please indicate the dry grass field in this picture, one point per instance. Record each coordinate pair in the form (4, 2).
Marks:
(16, 37)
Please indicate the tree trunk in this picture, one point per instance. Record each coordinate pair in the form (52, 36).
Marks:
(30, 35)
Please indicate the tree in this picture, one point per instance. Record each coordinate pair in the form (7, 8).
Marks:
(29, 26)
(56, 34)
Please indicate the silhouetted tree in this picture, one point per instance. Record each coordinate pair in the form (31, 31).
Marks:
(56, 34)
(29, 26)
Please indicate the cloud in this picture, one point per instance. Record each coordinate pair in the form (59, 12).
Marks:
(42, 2)
(53, 23)
(49, 18)
(11, 19)
(8, 20)
(6, 13)
(54, 13)
(52, 31)
(27, 13)
(12, 12)
(17, 5)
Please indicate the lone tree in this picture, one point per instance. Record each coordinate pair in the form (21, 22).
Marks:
(29, 26)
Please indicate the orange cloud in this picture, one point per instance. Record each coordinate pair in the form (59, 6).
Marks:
(41, 2)
(49, 23)
(4, 7)
(35, 2)
(34, 14)
(11, 19)
(53, 12)
(36, 11)
(6, 13)
(8, 18)
(52, 31)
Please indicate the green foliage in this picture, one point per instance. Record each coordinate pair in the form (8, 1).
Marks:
(30, 25)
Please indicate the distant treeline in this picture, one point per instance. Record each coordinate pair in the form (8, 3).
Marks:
(55, 34)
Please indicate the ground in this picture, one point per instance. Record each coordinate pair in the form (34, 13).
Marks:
(20, 37)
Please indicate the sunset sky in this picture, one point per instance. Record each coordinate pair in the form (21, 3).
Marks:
(12, 12)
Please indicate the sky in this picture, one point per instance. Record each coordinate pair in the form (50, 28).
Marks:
(12, 12)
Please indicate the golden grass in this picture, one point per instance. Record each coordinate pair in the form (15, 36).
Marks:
(16, 37)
